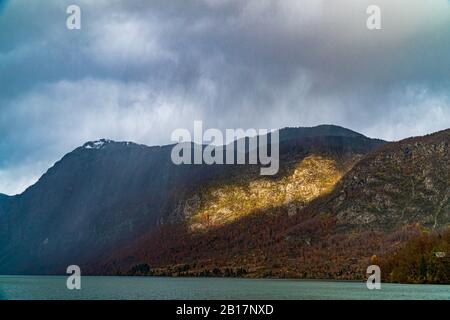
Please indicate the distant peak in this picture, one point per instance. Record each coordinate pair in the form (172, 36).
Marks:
(99, 144)
(318, 131)
(103, 143)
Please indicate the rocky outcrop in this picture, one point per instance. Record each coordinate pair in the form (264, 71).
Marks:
(398, 184)
(310, 178)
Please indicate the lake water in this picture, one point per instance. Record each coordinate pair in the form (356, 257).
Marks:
(54, 287)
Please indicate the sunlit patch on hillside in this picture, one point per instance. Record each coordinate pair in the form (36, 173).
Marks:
(312, 177)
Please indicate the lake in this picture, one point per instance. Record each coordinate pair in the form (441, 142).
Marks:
(111, 288)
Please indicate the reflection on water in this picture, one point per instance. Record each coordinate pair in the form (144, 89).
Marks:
(54, 287)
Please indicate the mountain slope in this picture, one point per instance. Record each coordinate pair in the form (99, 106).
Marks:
(98, 196)
(106, 194)
(4, 201)
(384, 200)
(310, 177)
(399, 183)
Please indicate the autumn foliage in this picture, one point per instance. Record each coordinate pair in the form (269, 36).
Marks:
(423, 259)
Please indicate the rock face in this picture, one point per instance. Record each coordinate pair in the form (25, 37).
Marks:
(311, 177)
(398, 184)
(105, 195)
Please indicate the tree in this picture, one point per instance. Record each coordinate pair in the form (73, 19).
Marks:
(423, 269)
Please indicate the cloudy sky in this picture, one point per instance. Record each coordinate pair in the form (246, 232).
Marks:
(138, 69)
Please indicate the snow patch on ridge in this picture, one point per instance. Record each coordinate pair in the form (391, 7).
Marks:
(97, 144)
(102, 143)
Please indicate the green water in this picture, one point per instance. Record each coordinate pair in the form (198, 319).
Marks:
(54, 287)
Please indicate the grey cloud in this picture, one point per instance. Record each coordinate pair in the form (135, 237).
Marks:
(139, 69)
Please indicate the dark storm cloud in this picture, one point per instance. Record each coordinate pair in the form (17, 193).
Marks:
(139, 69)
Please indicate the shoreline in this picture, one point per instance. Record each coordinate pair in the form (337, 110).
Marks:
(223, 278)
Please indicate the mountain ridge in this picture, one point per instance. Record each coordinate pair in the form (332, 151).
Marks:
(105, 195)
(346, 232)
(323, 130)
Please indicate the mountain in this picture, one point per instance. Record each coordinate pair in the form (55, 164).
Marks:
(319, 131)
(399, 183)
(343, 212)
(4, 200)
(5, 224)
(97, 197)
(5, 203)
(106, 195)
(339, 202)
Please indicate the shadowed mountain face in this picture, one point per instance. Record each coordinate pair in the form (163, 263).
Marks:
(96, 197)
(4, 200)
(105, 195)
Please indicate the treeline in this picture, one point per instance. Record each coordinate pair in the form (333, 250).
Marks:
(185, 270)
(268, 245)
(423, 259)
(260, 246)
